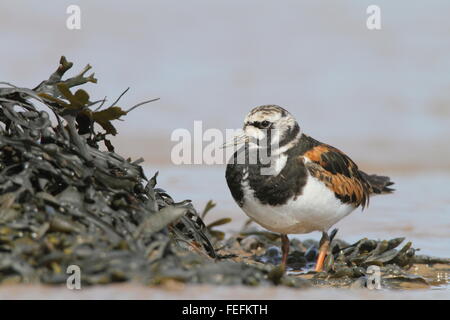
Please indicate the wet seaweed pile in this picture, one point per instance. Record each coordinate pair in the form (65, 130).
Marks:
(67, 198)
(347, 265)
(65, 201)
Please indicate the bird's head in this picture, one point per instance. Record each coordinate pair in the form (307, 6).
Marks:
(268, 125)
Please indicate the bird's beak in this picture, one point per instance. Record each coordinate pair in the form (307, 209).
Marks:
(237, 140)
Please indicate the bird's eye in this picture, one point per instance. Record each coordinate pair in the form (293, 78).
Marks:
(265, 124)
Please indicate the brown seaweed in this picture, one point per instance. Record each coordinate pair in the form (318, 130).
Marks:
(66, 201)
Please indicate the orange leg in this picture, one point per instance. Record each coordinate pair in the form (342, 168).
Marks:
(323, 249)
(284, 250)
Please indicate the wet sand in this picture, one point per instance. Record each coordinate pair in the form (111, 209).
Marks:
(200, 292)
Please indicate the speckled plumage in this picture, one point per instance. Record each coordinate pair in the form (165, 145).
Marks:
(314, 186)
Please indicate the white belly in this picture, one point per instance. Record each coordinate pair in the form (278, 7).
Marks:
(316, 209)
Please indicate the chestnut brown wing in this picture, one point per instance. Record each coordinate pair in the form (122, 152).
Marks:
(339, 173)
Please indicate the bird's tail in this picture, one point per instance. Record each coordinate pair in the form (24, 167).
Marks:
(378, 184)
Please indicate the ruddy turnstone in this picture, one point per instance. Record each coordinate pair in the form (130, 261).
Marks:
(307, 186)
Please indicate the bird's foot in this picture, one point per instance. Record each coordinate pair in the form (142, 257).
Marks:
(324, 248)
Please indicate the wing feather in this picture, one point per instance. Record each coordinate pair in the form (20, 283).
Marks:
(339, 173)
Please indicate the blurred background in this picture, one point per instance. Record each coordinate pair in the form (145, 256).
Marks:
(382, 96)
